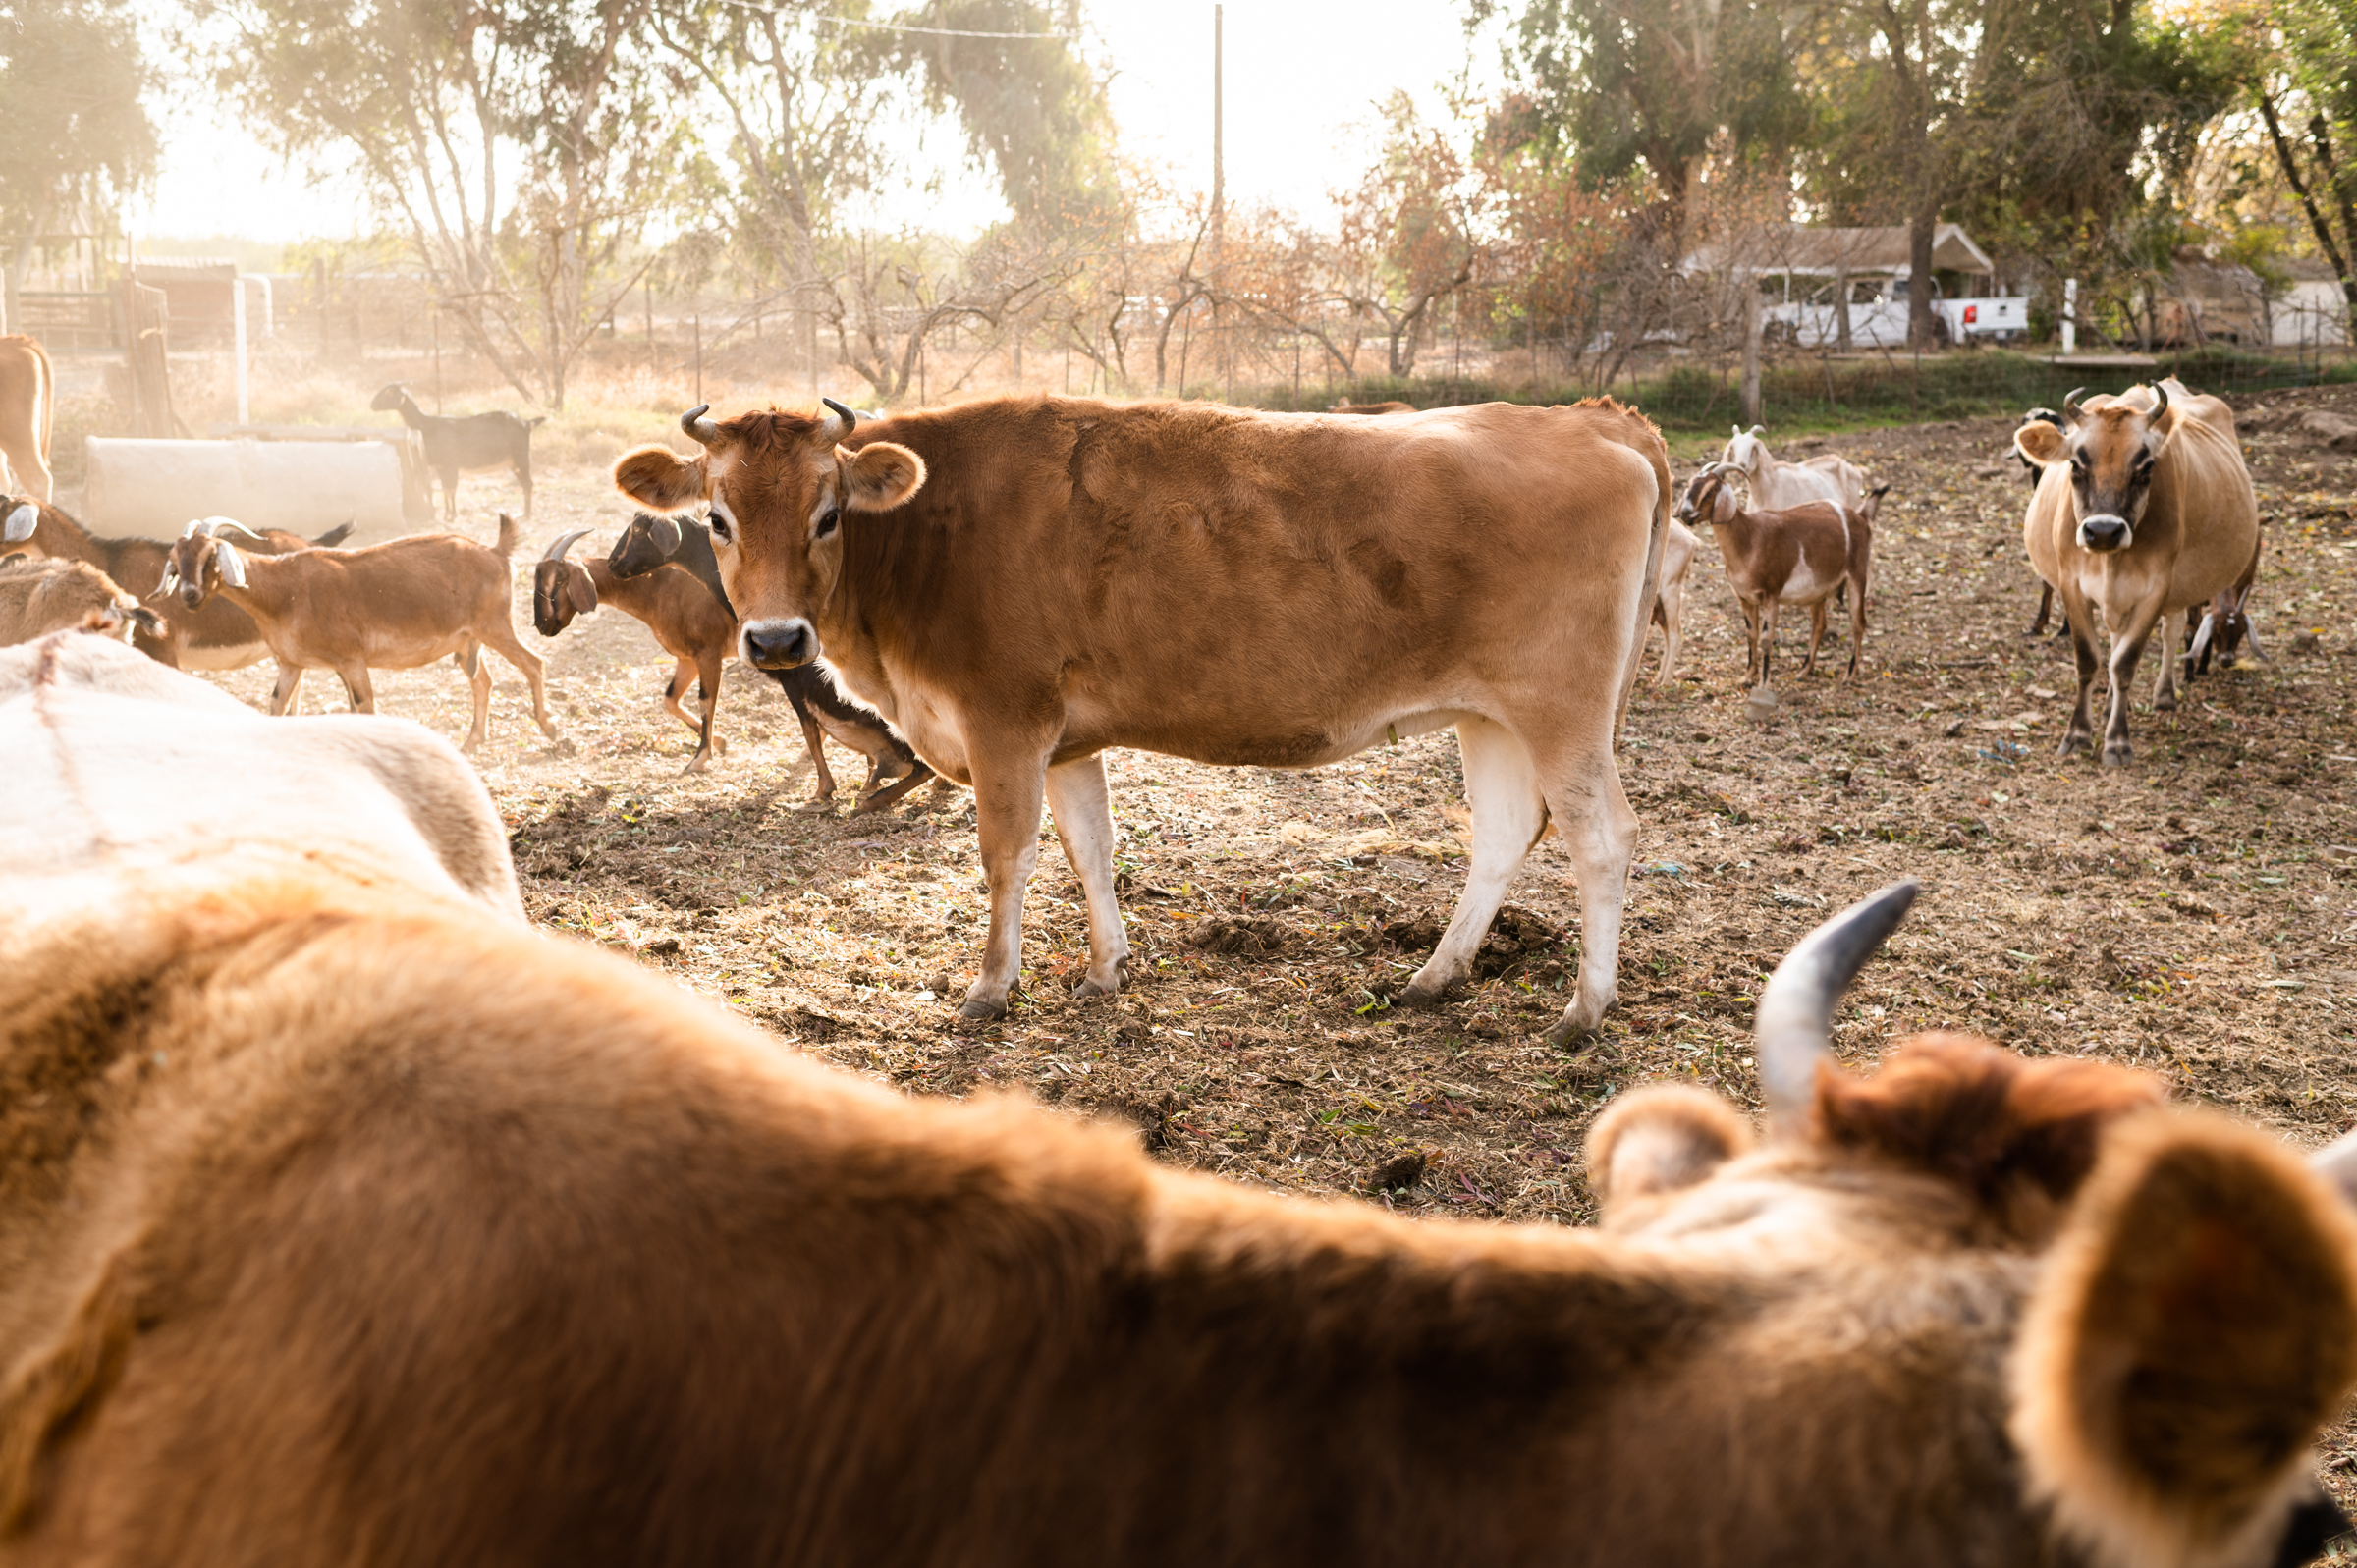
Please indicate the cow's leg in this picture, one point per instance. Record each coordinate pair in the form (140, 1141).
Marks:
(1083, 813)
(2077, 735)
(2046, 605)
(501, 635)
(1509, 813)
(1600, 836)
(2126, 648)
(1008, 792)
(2173, 637)
(33, 477)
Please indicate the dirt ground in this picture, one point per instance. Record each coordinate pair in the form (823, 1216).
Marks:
(2194, 914)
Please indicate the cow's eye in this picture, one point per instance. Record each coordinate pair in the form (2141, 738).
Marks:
(724, 531)
(828, 523)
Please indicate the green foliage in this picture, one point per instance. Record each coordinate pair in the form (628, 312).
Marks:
(1032, 108)
(77, 129)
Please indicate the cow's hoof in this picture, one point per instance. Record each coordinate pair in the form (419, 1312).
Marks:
(1415, 993)
(695, 766)
(981, 1009)
(824, 805)
(2167, 702)
(1565, 1035)
(547, 729)
(1088, 989)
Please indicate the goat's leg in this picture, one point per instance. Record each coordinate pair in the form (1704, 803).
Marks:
(815, 739)
(502, 636)
(1767, 638)
(450, 495)
(1817, 619)
(1752, 640)
(523, 464)
(357, 686)
(707, 691)
(477, 670)
(682, 672)
(1857, 624)
(282, 695)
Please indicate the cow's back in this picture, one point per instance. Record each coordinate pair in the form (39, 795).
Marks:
(1234, 586)
(2205, 482)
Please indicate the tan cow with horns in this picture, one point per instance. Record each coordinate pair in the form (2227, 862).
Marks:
(351, 1220)
(1017, 584)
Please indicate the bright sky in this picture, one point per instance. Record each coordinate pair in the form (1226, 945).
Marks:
(1302, 79)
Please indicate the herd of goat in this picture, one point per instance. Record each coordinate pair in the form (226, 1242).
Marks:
(348, 1218)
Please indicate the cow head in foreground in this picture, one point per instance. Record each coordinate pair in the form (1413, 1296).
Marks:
(2113, 451)
(778, 486)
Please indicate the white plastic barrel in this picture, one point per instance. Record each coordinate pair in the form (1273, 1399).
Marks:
(151, 489)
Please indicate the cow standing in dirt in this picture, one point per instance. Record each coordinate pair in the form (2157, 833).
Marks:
(2145, 508)
(1017, 584)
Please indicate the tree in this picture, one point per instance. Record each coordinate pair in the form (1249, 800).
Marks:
(1407, 236)
(1615, 83)
(2316, 93)
(520, 144)
(76, 134)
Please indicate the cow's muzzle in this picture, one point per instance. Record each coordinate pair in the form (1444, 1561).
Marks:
(2104, 531)
(779, 644)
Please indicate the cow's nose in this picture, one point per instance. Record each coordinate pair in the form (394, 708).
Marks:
(779, 644)
(2102, 533)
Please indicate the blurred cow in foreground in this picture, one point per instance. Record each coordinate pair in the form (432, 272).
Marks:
(351, 1220)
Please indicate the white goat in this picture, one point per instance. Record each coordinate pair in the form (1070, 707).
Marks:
(1776, 486)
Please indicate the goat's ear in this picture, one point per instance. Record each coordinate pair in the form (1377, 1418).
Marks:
(880, 477)
(578, 588)
(148, 620)
(22, 518)
(1658, 1140)
(660, 479)
(1723, 504)
(2194, 1329)
(226, 557)
(2042, 442)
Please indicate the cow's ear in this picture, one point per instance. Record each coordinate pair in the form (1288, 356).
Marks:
(2194, 1329)
(2042, 442)
(660, 479)
(881, 476)
(1658, 1140)
(578, 588)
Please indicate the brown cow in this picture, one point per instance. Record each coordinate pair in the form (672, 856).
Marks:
(27, 412)
(219, 636)
(1801, 555)
(1372, 409)
(2145, 509)
(394, 606)
(1017, 584)
(351, 1222)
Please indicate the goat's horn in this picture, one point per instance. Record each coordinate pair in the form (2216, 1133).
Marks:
(1795, 1023)
(695, 424)
(198, 527)
(223, 524)
(2070, 404)
(850, 420)
(564, 542)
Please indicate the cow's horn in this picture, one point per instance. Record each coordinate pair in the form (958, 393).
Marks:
(1795, 1023)
(2161, 402)
(850, 420)
(2070, 404)
(564, 542)
(702, 429)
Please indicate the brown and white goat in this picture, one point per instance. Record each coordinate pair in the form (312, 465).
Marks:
(1800, 555)
(690, 623)
(41, 596)
(357, 1222)
(219, 636)
(393, 605)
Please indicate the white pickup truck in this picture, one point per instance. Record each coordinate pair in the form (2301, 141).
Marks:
(1878, 316)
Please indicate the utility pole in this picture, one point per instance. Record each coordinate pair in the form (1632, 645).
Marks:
(1219, 177)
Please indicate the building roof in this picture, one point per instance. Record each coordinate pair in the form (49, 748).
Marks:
(1806, 249)
(187, 269)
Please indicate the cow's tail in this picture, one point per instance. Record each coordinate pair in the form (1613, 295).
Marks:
(1657, 453)
(511, 533)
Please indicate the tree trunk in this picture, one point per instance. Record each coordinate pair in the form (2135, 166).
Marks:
(1841, 339)
(1920, 228)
